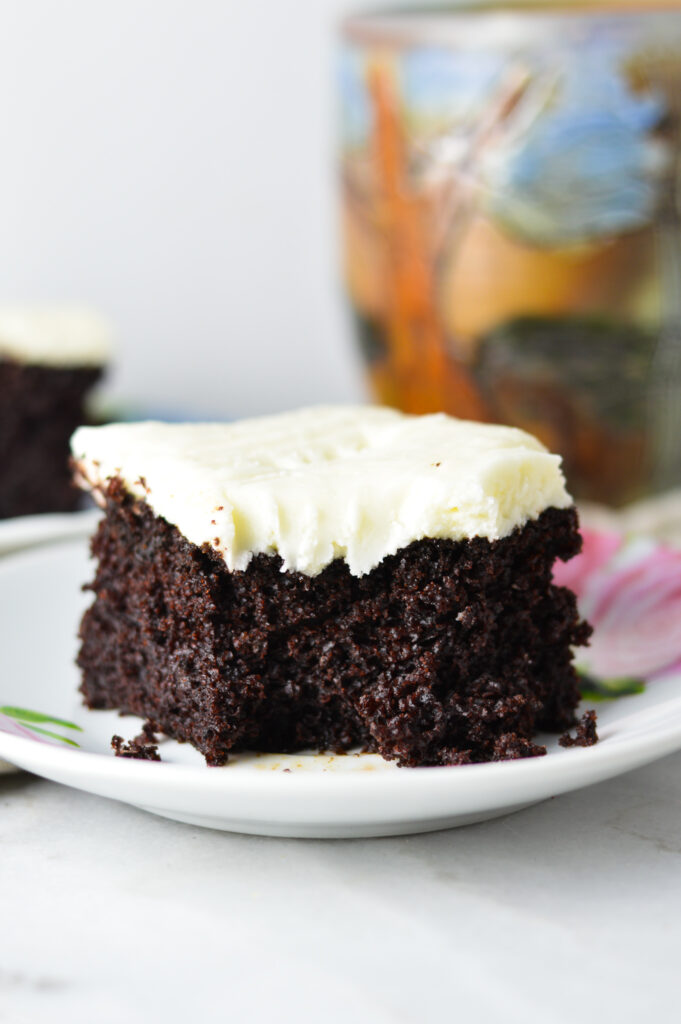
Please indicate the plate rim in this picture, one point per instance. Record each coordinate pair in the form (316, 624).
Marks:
(19, 533)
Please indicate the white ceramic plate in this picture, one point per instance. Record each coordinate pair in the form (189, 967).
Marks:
(29, 531)
(302, 795)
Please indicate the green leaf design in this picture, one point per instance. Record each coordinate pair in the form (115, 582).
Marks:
(593, 689)
(53, 735)
(29, 719)
(26, 716)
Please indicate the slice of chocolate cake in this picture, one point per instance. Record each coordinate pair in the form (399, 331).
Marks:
(49, 360)
(331, 578)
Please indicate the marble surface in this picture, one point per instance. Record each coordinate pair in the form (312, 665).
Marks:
(567, 911)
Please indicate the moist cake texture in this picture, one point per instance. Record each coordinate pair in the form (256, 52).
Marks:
(445, 650)
(49, 361)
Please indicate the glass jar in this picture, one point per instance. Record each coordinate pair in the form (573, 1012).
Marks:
(512, 242)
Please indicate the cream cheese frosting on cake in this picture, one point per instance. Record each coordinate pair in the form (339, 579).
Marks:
(60, 336)
(357, 483)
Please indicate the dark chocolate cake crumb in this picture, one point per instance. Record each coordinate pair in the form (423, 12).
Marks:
(585, 734)
(448, 652)
(510, 747)
(134, 749)
(148, 733)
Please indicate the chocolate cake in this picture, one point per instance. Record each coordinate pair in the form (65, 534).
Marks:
(49, 362)
(330, 579)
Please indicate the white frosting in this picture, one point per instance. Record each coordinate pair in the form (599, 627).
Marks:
(56, 336)
(331, 482)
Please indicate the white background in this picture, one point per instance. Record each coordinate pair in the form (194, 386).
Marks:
(173, 164)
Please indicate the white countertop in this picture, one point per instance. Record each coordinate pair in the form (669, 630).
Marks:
(568, 911)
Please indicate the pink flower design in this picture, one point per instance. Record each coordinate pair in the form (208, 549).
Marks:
(631, 594)
(597, 549)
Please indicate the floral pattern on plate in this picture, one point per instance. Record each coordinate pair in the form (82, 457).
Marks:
(31, 725)
(629, 589)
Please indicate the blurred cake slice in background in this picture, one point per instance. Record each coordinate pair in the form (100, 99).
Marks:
(50, 359)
